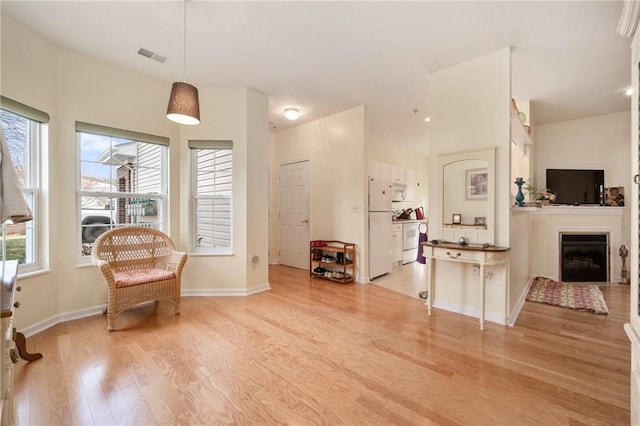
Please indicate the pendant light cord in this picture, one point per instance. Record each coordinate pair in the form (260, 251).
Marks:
(184, 44)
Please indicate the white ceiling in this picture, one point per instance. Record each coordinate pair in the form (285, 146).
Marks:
(328, 56)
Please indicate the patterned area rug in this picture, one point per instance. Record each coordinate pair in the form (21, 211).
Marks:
(574, 296)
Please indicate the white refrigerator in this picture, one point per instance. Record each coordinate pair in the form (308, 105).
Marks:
(380, 216)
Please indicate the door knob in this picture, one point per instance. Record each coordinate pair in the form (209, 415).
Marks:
(305, 221)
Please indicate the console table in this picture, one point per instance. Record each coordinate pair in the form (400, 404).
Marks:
(473, 254)
(11, 340)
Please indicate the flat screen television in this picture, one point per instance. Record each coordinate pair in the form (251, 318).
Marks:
(573, 186)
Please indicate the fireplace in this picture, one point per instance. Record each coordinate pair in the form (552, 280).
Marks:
(584, 257)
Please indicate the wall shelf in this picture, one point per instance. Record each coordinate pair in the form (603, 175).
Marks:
(519, 133)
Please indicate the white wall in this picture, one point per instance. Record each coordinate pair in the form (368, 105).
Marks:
(600, 142)
(236, 114)
(273, 199)
(35, 85)
(335, 146)
(73, 87)
(470, 110)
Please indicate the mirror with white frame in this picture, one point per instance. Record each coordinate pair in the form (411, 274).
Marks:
(468, 195)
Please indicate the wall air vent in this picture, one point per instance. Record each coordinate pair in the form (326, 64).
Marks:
(149, 54)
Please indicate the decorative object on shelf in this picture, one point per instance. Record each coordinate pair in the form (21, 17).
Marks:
(614, 196)
(462, 241)
(546, 197)
(523, 117)
(456, 219)
(529, 188)
(623, 251)
(479, 220)
(477, 184)
(520, 195)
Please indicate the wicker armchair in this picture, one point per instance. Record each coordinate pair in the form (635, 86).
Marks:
(140, 265)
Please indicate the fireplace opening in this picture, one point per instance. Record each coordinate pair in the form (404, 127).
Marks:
(584, 257)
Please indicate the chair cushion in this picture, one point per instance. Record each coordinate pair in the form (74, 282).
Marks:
(142, 276)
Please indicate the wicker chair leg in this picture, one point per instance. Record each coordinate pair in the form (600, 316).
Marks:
(111, 320)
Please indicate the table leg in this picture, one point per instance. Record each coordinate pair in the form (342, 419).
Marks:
(21, 345)
(507, 294)
(482, 283)
(430, 279)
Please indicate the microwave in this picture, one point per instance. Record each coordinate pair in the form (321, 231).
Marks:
(398, 193)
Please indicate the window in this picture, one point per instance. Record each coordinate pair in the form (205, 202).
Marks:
(122, 181)
(212, 188)
(22, 128)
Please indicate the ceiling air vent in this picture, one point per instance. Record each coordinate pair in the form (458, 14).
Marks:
(149, 54)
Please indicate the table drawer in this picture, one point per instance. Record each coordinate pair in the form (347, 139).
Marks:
(454, 254)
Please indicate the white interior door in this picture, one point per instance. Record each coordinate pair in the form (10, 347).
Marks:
(294, 215)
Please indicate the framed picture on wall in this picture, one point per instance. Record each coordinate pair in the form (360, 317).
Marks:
(477, 184)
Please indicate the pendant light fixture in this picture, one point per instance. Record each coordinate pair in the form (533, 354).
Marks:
(184, 106)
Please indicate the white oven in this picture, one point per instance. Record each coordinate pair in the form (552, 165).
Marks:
(409, 241)
(410, 235)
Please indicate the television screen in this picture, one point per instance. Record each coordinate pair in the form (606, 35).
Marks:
(576, 186)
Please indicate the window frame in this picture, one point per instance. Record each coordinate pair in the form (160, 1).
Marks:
(162, 197)
(194, 147)
(31, 189)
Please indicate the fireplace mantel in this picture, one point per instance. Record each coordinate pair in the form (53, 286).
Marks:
(557, 209)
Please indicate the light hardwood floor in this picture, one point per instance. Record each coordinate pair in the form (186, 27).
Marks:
(319, 352)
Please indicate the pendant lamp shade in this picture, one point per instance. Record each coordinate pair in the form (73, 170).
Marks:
(184, 106)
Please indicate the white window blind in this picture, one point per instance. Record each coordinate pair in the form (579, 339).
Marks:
(212, 183)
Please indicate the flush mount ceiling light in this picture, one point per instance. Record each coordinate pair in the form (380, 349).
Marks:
(291, 114)
(184, 106)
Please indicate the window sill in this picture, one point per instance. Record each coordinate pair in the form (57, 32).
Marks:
(209, 254)
(35, 273)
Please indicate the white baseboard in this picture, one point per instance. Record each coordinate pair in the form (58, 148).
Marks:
(472, 312)
(63, 317)
(98, 310)
(226, 291)
(513, 316)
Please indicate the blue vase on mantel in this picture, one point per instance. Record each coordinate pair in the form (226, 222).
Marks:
(520, 194)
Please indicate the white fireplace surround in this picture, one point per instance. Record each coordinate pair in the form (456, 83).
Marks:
(546, 224)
